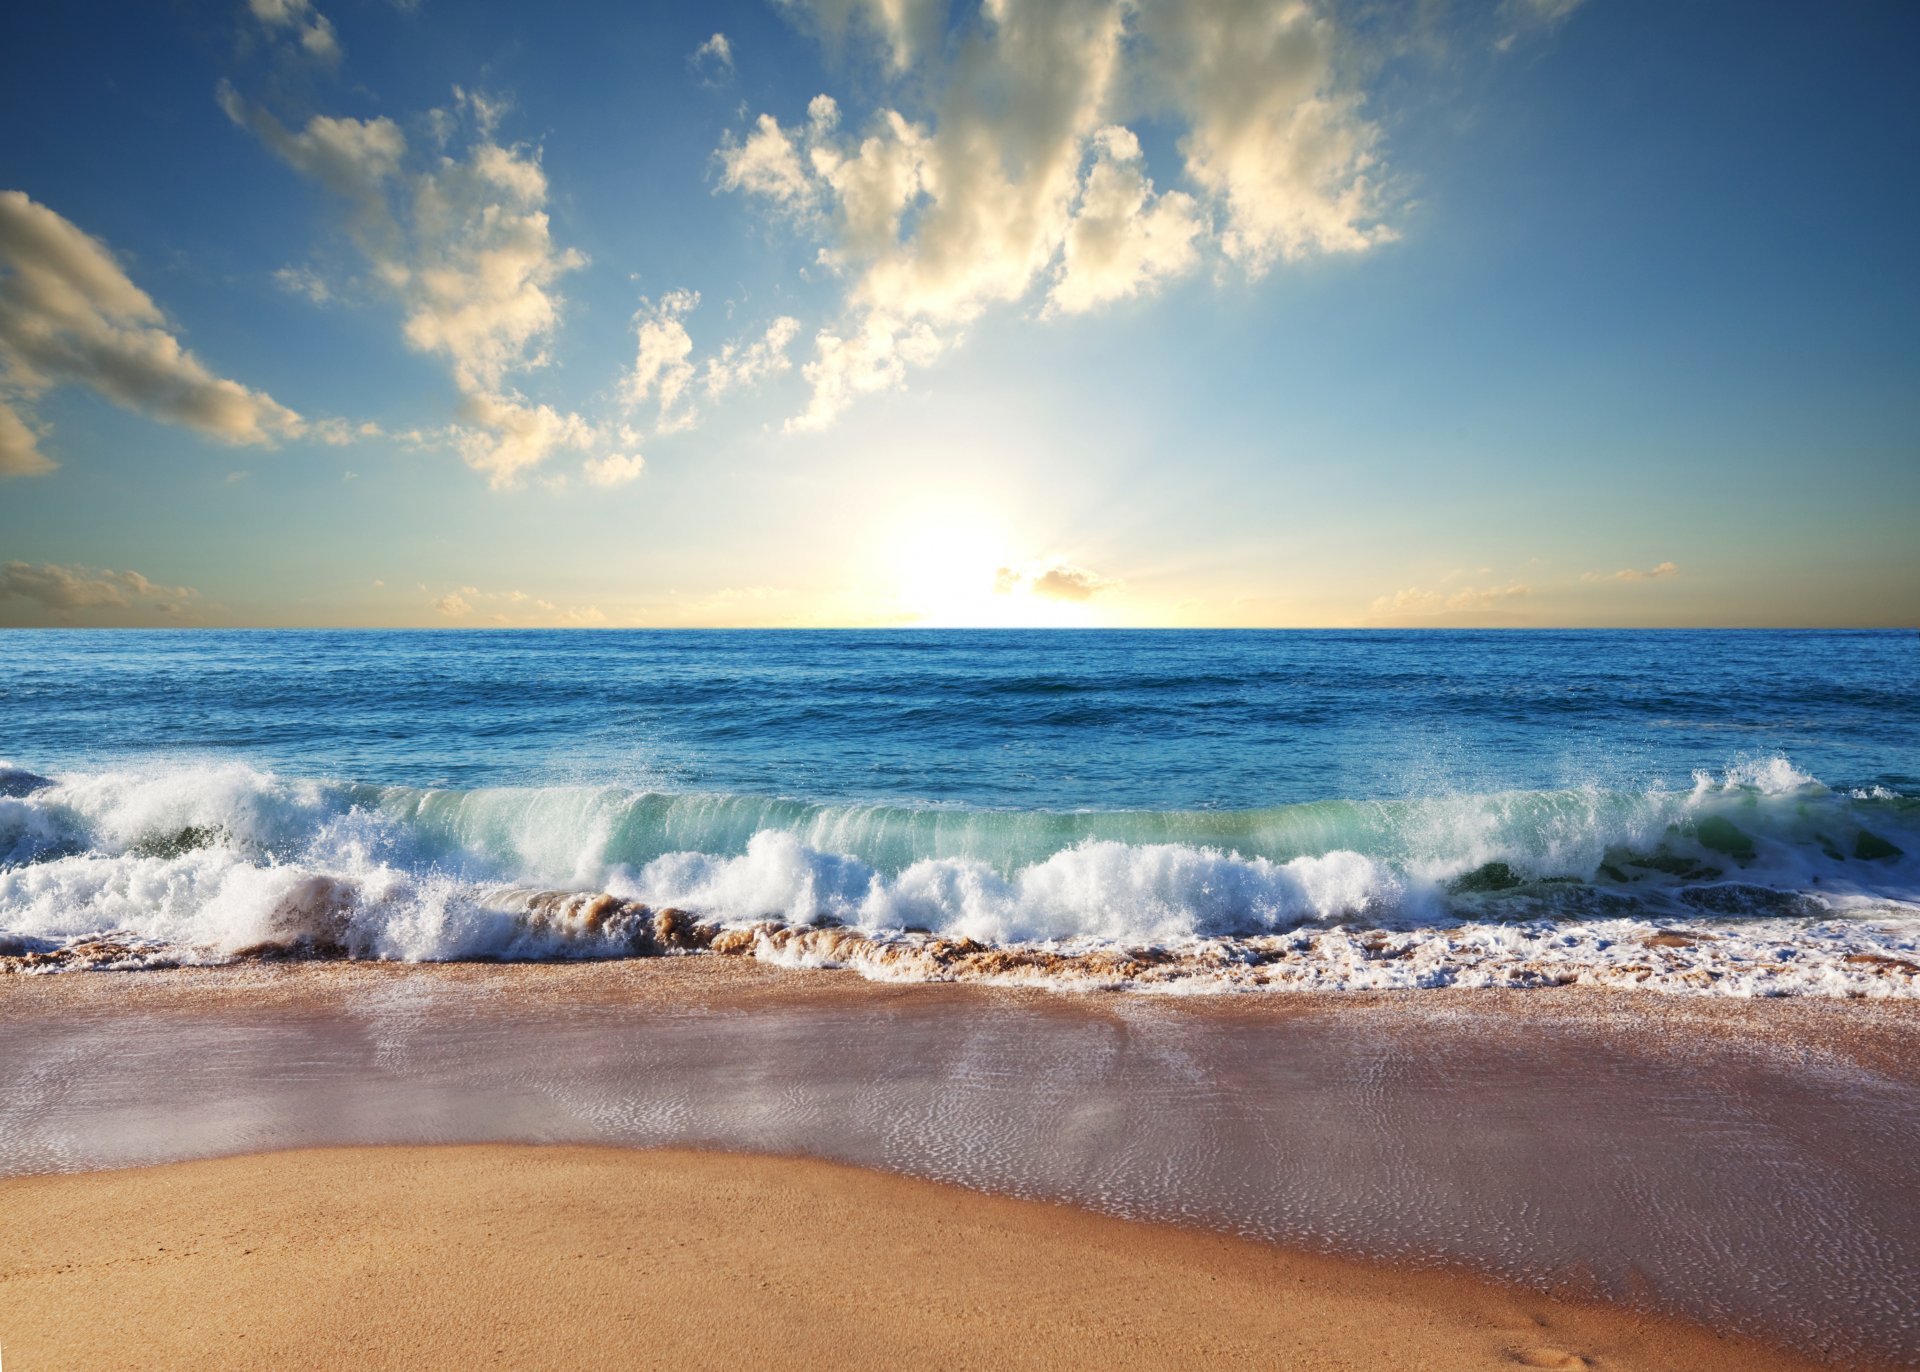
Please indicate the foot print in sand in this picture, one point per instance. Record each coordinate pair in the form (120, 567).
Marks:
(1550, 1357)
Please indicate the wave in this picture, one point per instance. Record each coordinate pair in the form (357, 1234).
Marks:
(1762, 863)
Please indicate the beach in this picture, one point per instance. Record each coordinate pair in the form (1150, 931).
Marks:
(435, 1162)
(527, 1257)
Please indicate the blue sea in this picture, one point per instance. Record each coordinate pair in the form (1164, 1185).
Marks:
(1715, 812)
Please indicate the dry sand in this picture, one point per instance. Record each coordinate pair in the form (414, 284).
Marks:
(530, 1257)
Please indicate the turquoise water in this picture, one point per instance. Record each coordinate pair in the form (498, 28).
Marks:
(210, 791)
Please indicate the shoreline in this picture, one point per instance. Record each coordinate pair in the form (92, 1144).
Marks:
(569, 1256)
(1740, 1166)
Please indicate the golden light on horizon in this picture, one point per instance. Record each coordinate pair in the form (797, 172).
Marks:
(957, 568)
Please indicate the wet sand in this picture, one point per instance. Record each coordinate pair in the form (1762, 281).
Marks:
(573, 1257)
(1742, 1166)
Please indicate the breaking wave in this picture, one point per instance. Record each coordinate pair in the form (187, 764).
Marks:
(1778, 883)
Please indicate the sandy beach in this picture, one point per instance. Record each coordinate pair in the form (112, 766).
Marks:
(579, 1161)
(589, 1257)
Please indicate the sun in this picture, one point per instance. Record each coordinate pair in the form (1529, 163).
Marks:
(953, 569)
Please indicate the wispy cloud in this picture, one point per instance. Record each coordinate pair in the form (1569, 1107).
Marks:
(712, 61)
(1663, 569)
(69, 315)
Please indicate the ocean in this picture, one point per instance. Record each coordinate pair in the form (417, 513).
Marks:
(1722, 812)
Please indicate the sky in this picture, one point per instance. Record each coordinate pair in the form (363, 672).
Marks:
(1022, 312)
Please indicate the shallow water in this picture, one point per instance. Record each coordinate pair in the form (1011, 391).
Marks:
(1756, 1181)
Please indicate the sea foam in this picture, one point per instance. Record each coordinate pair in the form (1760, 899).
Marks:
(1779, 884)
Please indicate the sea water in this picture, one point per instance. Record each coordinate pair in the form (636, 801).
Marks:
(1716, 812)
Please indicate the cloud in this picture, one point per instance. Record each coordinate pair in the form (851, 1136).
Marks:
(299, 20)
(902, 28)
(463, 242)
(514, 609)
(1053, 580)
(1122, 239)
(661, 369)
(304, 281)
(741, 363)
(712, 61)
(1017, 168)
(1419, 602)
(1653, 573)
(1273, 135)
(871, 357)
(615, 469)
(20, 453)
(1520, 16)
(65, 594)
(664, 372)
(70, 316)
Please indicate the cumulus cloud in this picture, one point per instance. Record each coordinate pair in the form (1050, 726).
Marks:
(1652, 573)
(662, 369)
(615, 469)
(1054, 580)
(664, 373)
(515, 609)
(1020, 170)
(712, 61)
(1122, 238)
(69, 315)
(50, 592)
(301, 22)
(463, 242)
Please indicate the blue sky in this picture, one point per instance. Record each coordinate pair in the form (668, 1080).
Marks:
(1083, 312)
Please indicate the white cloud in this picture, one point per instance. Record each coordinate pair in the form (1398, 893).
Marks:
(740, 364)
(65, 594)
(515, 609)
(1417, 601)
(304, 281)
(1273, 134)
(712, 61)
(464, 243)
(1653, 573)
(615, 469)
(1520, 16)
(1123, 239)
(70, 316)
(903, 28)
(1055, 579)
(1020, 172)
(664, 372)
(767, 162)
(20, 453)
(870, 358)
(298, 19)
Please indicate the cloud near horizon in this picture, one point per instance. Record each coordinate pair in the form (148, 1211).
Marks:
(1653, 573)
(65, 594)
(1054, 579)
(514, 609)
(70, 315)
